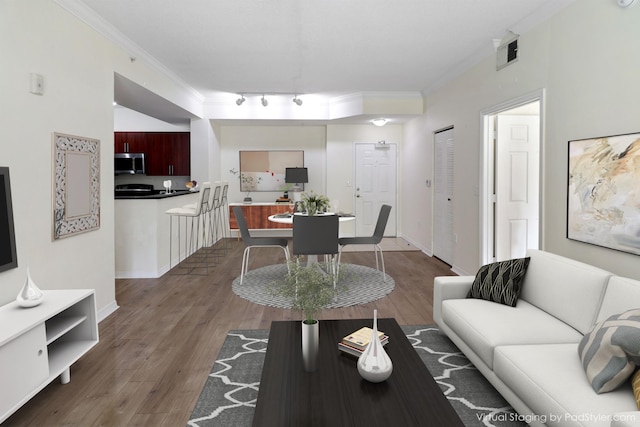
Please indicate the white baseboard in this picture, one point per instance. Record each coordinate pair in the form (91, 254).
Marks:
(104, 312)
(460, 272)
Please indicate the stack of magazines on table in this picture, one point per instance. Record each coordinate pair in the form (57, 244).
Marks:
(356, 342)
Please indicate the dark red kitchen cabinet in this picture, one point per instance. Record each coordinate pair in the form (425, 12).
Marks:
(166, 153)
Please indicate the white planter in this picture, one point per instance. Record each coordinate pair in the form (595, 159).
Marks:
(310, 346)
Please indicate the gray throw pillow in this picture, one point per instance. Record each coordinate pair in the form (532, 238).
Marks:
(610, 351)
(500, 282)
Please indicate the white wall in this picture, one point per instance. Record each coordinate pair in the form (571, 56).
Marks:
(78, 67)
(39, 37)
(340, 164)
(584, 58)
(205, 151)
(127, 120)
(417, 152)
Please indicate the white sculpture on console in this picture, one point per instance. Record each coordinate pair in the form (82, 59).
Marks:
(30, 295)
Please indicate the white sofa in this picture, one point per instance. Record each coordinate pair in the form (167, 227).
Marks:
(530, 352)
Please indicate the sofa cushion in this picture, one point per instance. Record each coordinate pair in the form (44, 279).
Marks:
(484, 325)
(567, 289)
(550, 380)
(500, 281)
(611, 350)
(622, 294)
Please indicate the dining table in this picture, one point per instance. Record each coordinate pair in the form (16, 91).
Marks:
(287, 218)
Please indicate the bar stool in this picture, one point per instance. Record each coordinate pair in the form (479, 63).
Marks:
(192, 213)
(213, 223)
(221, 210)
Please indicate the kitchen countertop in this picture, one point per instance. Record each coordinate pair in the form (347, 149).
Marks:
(155, 194)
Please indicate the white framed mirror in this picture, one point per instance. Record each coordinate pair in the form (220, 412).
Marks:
(76, 182)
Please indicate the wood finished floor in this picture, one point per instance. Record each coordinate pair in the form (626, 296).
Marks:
(156, 350)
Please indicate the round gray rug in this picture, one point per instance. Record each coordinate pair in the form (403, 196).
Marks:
(363, 284)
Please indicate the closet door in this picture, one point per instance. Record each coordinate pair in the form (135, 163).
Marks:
(443, 239)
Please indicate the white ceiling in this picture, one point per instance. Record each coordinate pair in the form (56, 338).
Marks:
(321, 47)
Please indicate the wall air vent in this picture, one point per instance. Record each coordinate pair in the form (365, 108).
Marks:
(507, 52)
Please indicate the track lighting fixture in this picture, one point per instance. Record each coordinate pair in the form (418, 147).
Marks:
(263, 100)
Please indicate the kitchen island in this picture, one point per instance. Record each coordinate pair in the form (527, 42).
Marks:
(142, 234)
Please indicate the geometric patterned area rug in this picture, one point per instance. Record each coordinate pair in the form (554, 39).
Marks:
(361, 285)
(229, 395)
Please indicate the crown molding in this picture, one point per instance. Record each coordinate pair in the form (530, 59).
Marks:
(104, 28)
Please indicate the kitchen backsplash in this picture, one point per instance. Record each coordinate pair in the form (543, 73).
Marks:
(178, 182)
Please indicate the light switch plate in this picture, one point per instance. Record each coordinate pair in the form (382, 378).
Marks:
(37, 84)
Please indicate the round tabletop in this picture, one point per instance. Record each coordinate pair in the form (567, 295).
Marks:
(288, 218)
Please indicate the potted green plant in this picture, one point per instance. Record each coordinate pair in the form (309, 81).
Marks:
(315, 203)
(310, 289)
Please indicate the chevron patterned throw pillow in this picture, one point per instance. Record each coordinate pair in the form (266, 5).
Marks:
(500, 282)
(610, 351)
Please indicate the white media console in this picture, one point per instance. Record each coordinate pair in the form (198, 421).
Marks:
(40, 343)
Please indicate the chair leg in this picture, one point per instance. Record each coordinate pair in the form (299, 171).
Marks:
(339, 259)
(287, 258)
(334, 271)
(375, 252)
(384, 273)
(245, 263)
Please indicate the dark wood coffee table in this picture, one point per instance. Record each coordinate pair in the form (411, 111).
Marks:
(336, 395)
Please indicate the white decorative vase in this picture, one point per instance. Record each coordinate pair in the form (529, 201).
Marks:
(374, 364)
(30, 295)
(310, 345)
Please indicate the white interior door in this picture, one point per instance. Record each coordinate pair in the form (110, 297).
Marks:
(443, 239)
(516, 184)
(375, 185)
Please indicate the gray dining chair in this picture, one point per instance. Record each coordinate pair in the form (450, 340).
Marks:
(254, 242)
(374, 240)
(317, 235)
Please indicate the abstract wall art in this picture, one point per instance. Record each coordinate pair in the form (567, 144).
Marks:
(264, 170)
(603, 199)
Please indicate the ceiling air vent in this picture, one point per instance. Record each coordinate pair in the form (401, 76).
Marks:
(507, 52)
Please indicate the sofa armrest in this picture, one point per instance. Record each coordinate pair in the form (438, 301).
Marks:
(449, 287)
(626, 419)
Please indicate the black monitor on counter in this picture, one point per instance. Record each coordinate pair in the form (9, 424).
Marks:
(296, 175)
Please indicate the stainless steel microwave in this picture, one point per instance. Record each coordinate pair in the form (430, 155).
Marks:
(128, 163)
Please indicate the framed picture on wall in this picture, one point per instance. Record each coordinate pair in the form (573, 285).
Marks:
(603, 197)
(265, 170)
